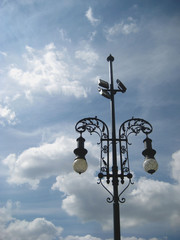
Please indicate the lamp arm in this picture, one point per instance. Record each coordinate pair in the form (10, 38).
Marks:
(134, 125)
(91, 125)
(131, 126)
(95, 125)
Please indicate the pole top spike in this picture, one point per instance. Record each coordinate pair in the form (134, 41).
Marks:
(110, 58)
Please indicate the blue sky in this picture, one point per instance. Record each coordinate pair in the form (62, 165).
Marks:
(52, 52)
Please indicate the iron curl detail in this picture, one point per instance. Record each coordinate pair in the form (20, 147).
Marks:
(93, 125)
(122, 200)
(108, 199)
(134, 125)
(131, 126)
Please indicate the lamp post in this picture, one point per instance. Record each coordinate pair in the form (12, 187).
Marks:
(115, 171)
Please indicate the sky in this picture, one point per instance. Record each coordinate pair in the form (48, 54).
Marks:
(52, 53)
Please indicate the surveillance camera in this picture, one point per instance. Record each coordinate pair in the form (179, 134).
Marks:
(104, 93)
(121, 86)
(103, 83)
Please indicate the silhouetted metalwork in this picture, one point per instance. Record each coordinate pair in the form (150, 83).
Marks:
(114, 171)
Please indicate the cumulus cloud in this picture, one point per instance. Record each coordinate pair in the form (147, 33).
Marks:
(34, 164)
(89, 14)
(175, 164)
(78, 197)
(44, 161)
(135, 238)
(124, 27)
(14, 229)
(149, 201)
(7, 115)
(5, 213)
(38, 229)
(87, 237)
(152, 201)
(47, 71)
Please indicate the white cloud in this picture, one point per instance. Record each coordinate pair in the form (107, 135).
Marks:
(7, 115)
(78, 197)
(5, 213)
(87, 55)
(47, 71)
(124, 28)
(14, 229)
(152, 201)
(135, 238)
(89, 14)
(132, 238)
(87, 237)
(37, 163)
(175, 164)
(44, 161)
(39, 229)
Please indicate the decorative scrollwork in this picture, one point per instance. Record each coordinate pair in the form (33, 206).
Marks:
(131, 126)
(108, 199)
(93, 125)
(122, 200)
(134, 125)
(111, 198)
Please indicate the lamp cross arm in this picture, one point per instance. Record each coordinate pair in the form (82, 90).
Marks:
(93, 125)
(134, 125)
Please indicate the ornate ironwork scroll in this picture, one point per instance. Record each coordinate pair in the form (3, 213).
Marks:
(134, 125)
(131, 126)
(95, 125)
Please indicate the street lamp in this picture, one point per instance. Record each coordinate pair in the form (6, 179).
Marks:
(118, 170)
(80, 164)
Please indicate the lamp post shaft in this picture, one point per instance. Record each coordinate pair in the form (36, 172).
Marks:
(116, 210)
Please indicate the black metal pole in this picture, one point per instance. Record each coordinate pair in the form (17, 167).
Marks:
(116, 210)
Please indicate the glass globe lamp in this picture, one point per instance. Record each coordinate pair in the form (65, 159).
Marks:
(150, 165)
(80, 165)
